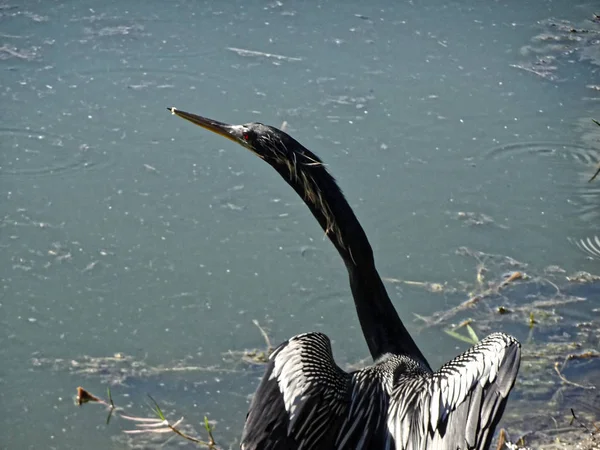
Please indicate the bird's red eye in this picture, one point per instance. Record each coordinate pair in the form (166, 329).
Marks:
(246, 136)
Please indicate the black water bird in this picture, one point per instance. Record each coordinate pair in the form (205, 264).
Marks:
(305, 401)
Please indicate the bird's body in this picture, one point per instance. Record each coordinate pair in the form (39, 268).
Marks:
(305, 401)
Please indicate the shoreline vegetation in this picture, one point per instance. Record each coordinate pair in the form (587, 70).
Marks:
(556, 401)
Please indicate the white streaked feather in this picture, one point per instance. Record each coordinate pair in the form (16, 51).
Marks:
(494, 367)
(435, 406)
(406, 405)
(445, 391)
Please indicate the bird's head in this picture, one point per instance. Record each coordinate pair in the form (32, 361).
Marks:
(269, 143)
(301, 168)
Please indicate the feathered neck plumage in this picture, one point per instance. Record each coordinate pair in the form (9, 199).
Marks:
(380, 323)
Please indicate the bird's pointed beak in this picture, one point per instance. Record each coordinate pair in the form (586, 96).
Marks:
(232, 132)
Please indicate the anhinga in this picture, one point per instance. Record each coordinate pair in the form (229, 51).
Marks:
(305, 401)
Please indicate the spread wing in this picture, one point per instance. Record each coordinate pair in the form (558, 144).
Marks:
(459, 406)
(305, 401)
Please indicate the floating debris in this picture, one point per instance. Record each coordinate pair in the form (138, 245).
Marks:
(244, 52)
(559, 43)
(7, 52)
(474, 219)
(232, 206)
(431, 287)
(119, 368)
(157, 425)
(90, 266)
(84, 396)
(554, 269)
(583, 277)
(254, 356)
(150, 168)
(121, 30)
(541, 68)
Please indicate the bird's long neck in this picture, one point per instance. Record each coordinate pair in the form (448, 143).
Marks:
(380, 323)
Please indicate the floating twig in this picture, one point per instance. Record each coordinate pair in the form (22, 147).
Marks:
(502, 440)
(440, 317)
(582, 425)
(265, 336)
(255, 356)
(585, 355)
(148, 425)
(429, 286)
(564, 379)
(244, 52)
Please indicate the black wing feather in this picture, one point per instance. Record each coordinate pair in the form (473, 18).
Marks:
(266, 426)
(305, 401)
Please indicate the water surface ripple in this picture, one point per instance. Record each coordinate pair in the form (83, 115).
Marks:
(133, 243)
